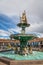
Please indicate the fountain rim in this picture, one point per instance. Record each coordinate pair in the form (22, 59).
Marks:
(23, 25)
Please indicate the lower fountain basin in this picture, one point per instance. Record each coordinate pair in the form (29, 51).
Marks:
(36, 55)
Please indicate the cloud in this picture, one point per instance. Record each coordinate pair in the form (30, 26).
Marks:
(13, 9)
(7, 22)
(4, 33)
(35, 28)
(13, 6)
(37, 8)
(17, 6)
(14, 31)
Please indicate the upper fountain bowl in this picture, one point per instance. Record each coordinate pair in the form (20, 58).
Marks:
(23, 25)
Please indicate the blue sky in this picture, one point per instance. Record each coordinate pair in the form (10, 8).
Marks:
(11, 10)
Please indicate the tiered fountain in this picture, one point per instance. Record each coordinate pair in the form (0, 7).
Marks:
(23, 37)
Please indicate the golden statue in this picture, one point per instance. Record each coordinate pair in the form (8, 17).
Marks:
(23, 18)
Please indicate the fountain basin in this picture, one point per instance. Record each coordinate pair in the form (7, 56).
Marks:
(24, 36)
(36, 55)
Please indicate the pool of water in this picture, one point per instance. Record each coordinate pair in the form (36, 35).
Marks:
(34, 56)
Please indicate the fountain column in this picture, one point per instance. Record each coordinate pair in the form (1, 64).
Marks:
(23, 30)
(23, 24)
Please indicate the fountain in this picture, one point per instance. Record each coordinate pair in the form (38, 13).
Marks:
(23, 37)
(25, 55)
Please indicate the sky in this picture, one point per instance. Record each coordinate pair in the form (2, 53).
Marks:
(11, 10)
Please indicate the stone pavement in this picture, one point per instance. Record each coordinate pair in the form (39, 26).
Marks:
(1, 63)
(7, 61)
